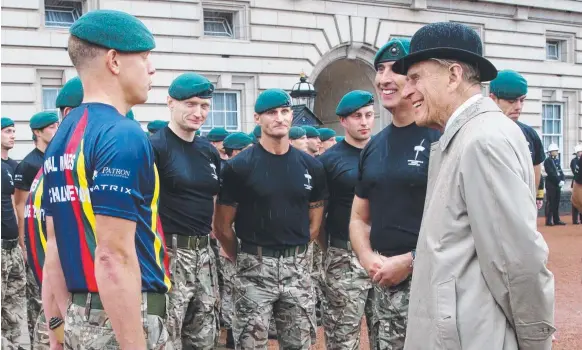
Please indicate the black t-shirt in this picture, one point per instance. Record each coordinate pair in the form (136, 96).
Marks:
(27, 170)
(188, 182)
(578, 174)
(341, 168)
(273, 193)
(536, 149)
(9, 225)
(392, 175)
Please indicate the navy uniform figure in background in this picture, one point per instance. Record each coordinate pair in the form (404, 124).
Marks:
(554, 183)
(389, 201)
(189, 168)
(347, 288)
(576, 214)
(14, 320)
(509, 91)
(274, 194)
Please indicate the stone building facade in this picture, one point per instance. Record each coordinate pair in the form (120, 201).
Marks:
(245, 47)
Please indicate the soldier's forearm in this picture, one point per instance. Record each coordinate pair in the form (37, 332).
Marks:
(360, 237)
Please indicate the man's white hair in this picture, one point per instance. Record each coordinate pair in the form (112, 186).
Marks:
(470, 73)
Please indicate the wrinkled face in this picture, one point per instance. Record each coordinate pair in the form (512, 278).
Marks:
(511, 108)
(427, 87)
(275, 122)
(389, 86)
(46, 135)
(313, 144)
(135, 72)
(300, 143)
(325, 145)
(8, 135)
(189, 114)
(360, 123)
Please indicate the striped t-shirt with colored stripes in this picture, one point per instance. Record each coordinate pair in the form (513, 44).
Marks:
(35, 227)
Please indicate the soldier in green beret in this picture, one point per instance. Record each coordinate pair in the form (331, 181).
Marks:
(13, 266)
(339, 139)
(313, 140)
(188, 167)
(236, 143)
(70, 96)
(216, 137)
(327, 137)
(389, 197)
(97, 145)
(275, 192)
(509, 90)
(297, 138)
(156, 125)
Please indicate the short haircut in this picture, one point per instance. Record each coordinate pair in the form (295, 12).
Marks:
(470, 73)
(81, 52)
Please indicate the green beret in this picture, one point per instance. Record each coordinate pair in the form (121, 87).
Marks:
(339, 138)
(296, 133)
(43, 119)
(352, 101)
(257, 131)
(189, 85)
(113, 30)
(253, 138)
(197, 133)
(271, 99)
(71, 94)
(310, 131)
(326, 134)
(393, 50)
(156, 125)
(237, 140)
(508, 85)
(130, 115)
(6, 122)
(217, 134)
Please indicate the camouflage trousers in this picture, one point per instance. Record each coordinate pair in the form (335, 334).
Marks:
(390, 316)
(33, 299)
(316, 270)
(347, 296)
(193, 313)
(14, 321)
(265, 285)
(40, 339)
(227, 271)
(91, 330)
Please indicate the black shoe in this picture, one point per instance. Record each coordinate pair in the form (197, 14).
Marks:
(549, 224)
(561, 223)
(576, 223)
(229, 339)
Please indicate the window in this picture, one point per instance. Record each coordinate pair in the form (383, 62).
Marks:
(224, 112)
(552, 125)
(553, 52)
(62, 13)
(219, 23)
(49, 98)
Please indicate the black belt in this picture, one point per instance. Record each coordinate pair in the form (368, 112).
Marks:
(9, 243)
(272, 253)
(340, 243)
(187, 242)
(156, 302)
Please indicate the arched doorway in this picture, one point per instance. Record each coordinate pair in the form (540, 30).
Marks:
(341, 70)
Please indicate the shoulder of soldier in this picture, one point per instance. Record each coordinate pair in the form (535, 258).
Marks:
(207, 148)
(311, 162)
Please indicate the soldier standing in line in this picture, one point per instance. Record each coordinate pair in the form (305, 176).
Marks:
(554, 183)
(216, 137)
(189, 167)
(70, 96)
(273, 193)
(105, 242)
(576, 214)
(327, 137)
(389, 201)
(313, 140)
(346, 285)
(44, 126)
(297, 138)
(14, 320)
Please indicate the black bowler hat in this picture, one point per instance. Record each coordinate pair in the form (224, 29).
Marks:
(447, 40)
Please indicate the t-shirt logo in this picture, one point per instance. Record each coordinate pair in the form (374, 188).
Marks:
(11, 180)
(308, 184)
(214, 175)
(419, 148)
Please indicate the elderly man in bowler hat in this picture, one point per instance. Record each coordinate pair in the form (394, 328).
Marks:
(480, 279)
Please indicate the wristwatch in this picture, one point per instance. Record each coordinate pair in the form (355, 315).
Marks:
(413, 253)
